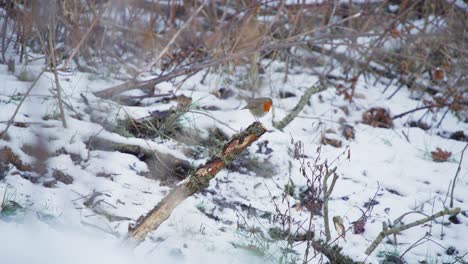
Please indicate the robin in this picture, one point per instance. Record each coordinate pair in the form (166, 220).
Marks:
(259, 107)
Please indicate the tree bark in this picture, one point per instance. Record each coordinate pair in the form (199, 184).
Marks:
(195, 182)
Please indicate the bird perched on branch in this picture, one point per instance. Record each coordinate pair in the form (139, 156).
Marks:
(259, 107)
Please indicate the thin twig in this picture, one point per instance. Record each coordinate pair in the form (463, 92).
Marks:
(386, 232)
(173, 39)
(456, 176)
(214, 118)
(316, 88)
(415, 244)
(443, 117)
(326, 195)
(194, 68)
(12, 119)
(53, 62)
(77, 48)
(412, 110)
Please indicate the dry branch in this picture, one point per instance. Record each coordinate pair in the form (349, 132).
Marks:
(326, 196)
(196, 67)
(171, 42)
(412, 111)
(365, 66)
(53, 62)
(395, 230)
(12, 119)
(300, 105)
(195, 182)
(456, 176)
(80, 43)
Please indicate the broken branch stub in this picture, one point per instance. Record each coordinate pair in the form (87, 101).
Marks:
(195, 182)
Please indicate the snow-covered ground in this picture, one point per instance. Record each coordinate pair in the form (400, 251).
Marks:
(392, 166)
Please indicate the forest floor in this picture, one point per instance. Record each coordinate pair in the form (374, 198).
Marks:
(69, 195)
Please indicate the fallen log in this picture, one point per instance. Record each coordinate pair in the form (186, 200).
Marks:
(196, 181)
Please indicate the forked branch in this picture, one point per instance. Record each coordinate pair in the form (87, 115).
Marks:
(395, 230)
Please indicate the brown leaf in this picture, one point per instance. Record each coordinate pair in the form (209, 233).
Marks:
(359, 226)
(183, 101)
(62, 177)
(333, 142)
(404, 67)
(8, 157)
(348, 132)
(458, 135)
(455, 106)
(420, 124)
(377, 117)
(440, 155)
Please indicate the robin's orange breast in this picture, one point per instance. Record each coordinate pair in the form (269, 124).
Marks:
(267, 106)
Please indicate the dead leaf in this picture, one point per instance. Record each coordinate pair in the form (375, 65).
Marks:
(404, 67)
(440, 155)
(458, 135)
(62, 177)
(359, 226)
(339, 227)
(348, 132)
(377, 117)
(8, 157)
(332, 142)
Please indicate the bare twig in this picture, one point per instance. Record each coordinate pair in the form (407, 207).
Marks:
(300, 105)
(419, 242)
(326, 195)
(412, 111)
(173, 39)
(214, 118)
(386, 232)
(82, 40)
(443, 117)
(196, 67)
(12, 119)
(456, 176)
(53, 62)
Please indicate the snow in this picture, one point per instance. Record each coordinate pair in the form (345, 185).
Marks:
(56, 227)
(59, 245)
